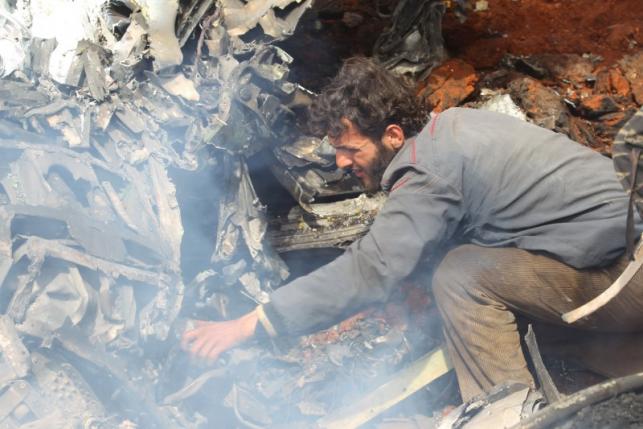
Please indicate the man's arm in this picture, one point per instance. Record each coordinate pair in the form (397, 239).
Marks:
(421, 214)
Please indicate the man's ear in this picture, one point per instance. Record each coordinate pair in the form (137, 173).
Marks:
(393, 137)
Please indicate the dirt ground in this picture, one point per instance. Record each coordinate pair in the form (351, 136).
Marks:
(624, 411)
(609, 28)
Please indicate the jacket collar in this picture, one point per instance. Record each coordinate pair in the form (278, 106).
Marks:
(403, 156)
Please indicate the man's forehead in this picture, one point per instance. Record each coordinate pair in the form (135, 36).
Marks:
(335, 141)
(349, 137)
(343, 141)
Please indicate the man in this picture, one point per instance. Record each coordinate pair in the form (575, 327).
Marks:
(519, 219)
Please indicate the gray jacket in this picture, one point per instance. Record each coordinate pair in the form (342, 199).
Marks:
(471, 176)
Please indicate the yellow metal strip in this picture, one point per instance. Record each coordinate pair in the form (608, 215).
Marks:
(400, 386)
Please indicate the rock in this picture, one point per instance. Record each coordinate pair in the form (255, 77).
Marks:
(613, 82)
(561, 67)
(598, 105)
(608, 126)
(603, 84)
(498, 79)
(632, 66)
(542, 104)
(500, 102)
(620, 85)
(449, 84)
(574, 96)
(616, 120)
(574, 68)
(581, 132)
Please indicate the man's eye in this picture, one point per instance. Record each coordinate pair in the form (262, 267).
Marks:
(348, 149)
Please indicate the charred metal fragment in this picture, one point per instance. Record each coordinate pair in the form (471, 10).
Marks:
(325, 224)
(55, 386)
(242, 17)
(306, 168)
(190, 16)
(90, 55)
(161, 18)
(242, 228)
(414, 42)
(92, 235)
(14, 353)
(549, 388)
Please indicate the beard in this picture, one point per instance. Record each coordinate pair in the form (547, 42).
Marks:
(372, 174)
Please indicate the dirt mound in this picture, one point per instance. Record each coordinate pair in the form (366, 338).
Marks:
(609, 28)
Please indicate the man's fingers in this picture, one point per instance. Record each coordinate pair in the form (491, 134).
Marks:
(200, 344)
(188, 337)
(207, 340)
(211, 351)
(201, 349)
(214, 355)
(191, 336)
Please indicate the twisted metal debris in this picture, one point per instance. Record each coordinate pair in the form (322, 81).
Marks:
(110, 114)
(100, 101)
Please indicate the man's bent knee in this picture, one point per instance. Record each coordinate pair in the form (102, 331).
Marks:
(463, 270)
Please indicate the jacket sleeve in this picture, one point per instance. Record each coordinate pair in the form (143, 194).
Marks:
(421, 213)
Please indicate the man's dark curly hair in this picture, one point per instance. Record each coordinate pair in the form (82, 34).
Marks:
(371, 97)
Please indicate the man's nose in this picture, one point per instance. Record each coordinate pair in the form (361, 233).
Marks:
(343, 161)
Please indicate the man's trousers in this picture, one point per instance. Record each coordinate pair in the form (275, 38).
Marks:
(479, 291)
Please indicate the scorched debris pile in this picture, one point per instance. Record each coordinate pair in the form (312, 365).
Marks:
(127, 206)
(104, 107)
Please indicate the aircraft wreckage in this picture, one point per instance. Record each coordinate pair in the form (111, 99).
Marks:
(130, 207)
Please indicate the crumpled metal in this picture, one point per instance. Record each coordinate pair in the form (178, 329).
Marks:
(13, 43)
(414, 42)
(99, 138)
(241, 231)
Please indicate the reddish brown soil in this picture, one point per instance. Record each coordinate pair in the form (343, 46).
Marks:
(609, 28)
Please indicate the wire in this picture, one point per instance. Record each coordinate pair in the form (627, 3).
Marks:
(575, 402)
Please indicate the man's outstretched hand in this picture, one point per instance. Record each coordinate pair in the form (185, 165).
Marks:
(209, 339)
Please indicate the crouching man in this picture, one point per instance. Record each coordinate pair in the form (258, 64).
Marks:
(519, 220)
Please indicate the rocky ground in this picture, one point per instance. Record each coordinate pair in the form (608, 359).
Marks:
(573, 66)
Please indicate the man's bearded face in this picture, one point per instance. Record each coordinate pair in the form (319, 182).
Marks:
(365, 157)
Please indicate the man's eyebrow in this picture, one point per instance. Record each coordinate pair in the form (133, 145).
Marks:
(335, 142)
(343, 146)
